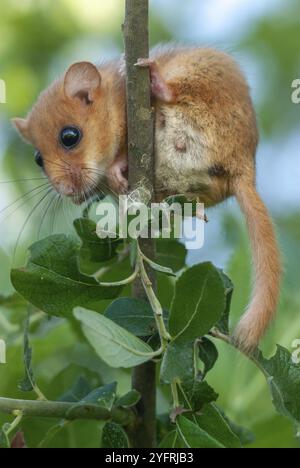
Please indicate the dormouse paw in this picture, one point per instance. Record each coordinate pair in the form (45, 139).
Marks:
(116, 178)
(145, 63)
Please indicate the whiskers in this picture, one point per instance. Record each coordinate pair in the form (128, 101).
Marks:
(36, 206)
(97, 178)
(50, 206)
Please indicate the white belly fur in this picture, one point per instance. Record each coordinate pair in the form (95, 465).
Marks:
(181, 152)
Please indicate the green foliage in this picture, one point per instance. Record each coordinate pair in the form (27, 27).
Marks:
(37, 37)
(52, 280)
(198, 303)
(129, 400)
(114, 436)
(135, 315)
(93, 249)
(115, 345)
(208, 354)
(283, 377)
(200, 307)
(193, 436)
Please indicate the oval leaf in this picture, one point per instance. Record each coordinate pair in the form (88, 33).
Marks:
(193, 436)
(213, 423)
(115, 345)
(114, 436)
(129, 399)
(198, 304)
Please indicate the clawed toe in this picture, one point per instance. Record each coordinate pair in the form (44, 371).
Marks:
(144, 62)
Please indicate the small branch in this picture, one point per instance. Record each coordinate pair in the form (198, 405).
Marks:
(215, 333)
(60, 410)
(140, 124)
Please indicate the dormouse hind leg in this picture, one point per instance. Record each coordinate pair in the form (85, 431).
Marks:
(159, 87)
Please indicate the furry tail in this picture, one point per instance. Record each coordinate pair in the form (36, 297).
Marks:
(267, 268)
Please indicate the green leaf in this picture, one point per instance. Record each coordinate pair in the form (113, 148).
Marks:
(52, 281)
(77, 392)
(129, 399)
(199, 394)
(170, 441)
(94, 249)
(198, 304)
(135, 315)
(115, 345)
(104, 396)
(114, 436)
(245, 436)
(283, 377)
(208, 354)
(193, 436)
(28, 382)
(178, 363)
(171, 253)
(211, 420)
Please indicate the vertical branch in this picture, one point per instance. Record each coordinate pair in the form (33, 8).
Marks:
(139, 111)
(141, 175)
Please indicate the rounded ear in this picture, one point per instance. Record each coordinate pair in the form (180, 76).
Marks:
(82, 81)
(22, 127)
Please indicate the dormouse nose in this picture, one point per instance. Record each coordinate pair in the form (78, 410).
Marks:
(65, 189)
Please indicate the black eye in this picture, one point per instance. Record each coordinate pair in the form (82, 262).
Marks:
(70, 137)
(39, 159)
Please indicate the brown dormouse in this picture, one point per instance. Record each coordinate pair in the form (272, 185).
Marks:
(205, 144)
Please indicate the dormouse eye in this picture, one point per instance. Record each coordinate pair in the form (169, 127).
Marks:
(39, 159)
(70, 137)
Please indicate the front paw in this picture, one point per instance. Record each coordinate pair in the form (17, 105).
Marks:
(117, 181)
(123, 186)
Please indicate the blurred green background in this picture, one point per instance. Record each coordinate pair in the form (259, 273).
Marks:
(38, 40)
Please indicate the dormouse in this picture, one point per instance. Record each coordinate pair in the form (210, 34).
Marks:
(206, 139)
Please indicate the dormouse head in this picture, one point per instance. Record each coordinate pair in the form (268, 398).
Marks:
(72, 130)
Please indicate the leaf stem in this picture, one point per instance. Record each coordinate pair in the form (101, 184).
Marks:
(19, 416)
(124, 282)
(154, 302)
(174, 389)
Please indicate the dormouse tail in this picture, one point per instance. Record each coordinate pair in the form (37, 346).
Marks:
(267, 267)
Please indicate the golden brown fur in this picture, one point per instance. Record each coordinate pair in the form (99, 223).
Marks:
(205, 144)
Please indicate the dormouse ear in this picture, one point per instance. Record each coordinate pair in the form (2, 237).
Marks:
(22, 127)
(82, 81)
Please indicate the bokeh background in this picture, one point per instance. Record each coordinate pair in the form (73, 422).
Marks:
(38, 40)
